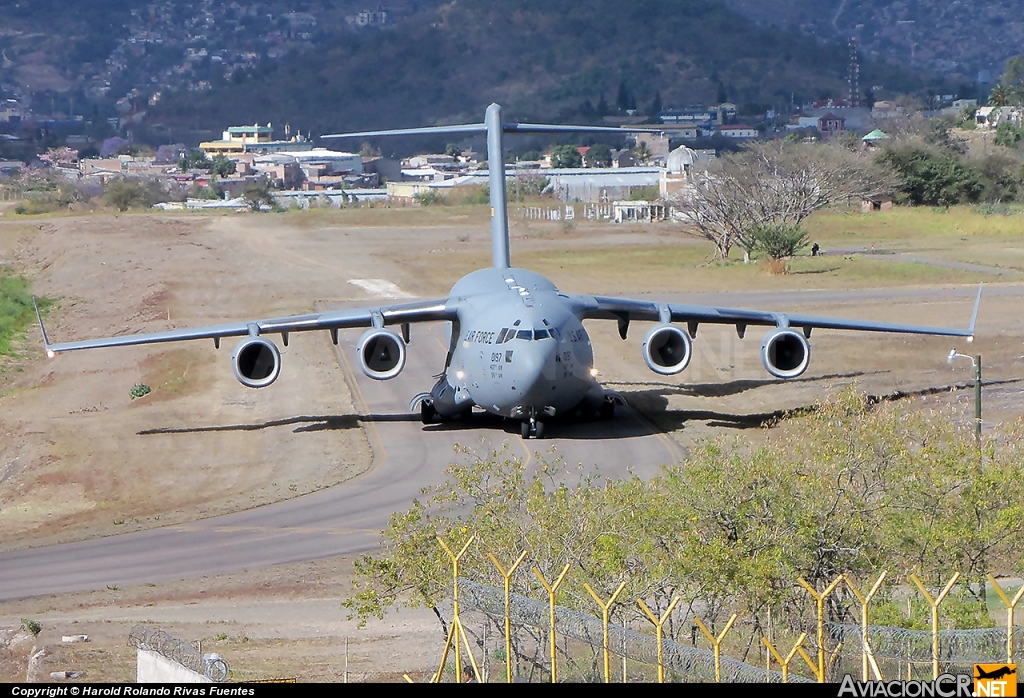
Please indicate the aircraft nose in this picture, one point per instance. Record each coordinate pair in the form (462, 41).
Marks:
(536, 368)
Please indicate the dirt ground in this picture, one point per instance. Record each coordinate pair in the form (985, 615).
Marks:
(79, 458)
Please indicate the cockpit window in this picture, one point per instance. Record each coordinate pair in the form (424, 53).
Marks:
(525, 334)
(540, 334)
(501, 336)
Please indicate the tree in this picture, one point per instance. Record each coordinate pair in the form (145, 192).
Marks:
(565, 156)
(452, 150)
(222, 166)
(195, 160)
(777, 241)
(599, 155)
(1012, 80)
(125, 195)
(642, 152)
(779, 183)
(257, 195)
(933, 178)
(1007, 135)
(656, 107)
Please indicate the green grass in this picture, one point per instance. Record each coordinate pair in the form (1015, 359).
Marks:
(15, 309)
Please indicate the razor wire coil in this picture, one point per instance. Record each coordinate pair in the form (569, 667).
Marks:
(184, 653)
(955, 646)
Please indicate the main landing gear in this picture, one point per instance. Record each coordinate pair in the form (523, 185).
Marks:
(531, 428)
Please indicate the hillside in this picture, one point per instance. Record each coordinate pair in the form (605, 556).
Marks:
(955, 38)
(541, 59)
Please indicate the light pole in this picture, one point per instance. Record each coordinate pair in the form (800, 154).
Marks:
(976, 362)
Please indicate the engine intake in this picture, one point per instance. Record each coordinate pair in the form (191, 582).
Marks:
(667, 349)
(381, 354)
(256, 362)
(785, 353)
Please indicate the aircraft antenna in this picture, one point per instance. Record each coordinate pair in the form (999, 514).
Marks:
(496, 180)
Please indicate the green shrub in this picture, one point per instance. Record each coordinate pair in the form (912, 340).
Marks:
(139, 390)
(32, 627)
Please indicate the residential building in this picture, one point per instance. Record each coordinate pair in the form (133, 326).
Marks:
(737, 131)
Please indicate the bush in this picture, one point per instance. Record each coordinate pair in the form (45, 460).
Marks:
(429, 198)
(32, 627)
(124, 195)
(139, 390)
(778, 241)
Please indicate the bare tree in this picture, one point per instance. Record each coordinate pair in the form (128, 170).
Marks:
(779, 183)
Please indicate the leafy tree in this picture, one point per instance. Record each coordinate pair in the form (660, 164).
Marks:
(126, 194)
(642, 153)
(1013, 80)
(655, 107)
(257, 195)
(196, 160)
(222, 166)
(999, 96)
(452, 150)
(934, 179)
(845, 487)
(565, 156)
(1008, 135)
(777, 241)
(599, 155)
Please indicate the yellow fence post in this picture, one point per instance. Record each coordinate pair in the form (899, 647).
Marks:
(784, 662)
(867, 656)
(1010, 604)
(605, 609)
(551, 589)
(456, 632)
(506, 575)
(820, 601)
(659, 624)
(934, 603)
(716, 642)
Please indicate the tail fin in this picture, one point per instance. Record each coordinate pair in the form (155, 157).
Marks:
(494, 129)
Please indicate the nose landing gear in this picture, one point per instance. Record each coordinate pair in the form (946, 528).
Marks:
(531, 428)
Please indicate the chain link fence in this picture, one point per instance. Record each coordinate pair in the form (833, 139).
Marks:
(688, 663)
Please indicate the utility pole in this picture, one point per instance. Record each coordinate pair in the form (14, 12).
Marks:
(976, 362)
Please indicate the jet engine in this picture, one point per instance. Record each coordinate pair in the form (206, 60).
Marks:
(785, 353)
(256, 362)
(381, 354)
(666, 349)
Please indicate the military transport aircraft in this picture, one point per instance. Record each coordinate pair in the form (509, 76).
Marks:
(518, 346)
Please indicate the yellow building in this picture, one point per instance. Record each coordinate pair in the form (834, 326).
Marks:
(235, 140)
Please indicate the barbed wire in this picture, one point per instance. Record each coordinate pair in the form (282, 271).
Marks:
(180, 651)
(692, 662)
(955, 646)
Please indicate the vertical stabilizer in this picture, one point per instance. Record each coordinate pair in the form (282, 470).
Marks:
(496, 181)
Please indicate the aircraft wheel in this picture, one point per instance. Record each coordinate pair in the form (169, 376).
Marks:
(607, 410)
(538, 430)
(524, 429)
(427, 413)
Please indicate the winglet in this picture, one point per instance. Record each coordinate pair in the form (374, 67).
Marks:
(42, 329)
(974, 315)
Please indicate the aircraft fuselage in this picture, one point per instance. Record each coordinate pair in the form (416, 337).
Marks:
(518, 348)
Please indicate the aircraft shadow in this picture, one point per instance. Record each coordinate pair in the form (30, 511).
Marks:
(739, 386)
(625, 425)
(306, 423)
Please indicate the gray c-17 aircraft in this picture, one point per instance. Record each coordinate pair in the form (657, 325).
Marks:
(518, 345)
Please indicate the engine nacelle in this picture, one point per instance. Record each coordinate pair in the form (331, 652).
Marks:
(256, 362)
(381, 354)
(667, 349)
(785, 353)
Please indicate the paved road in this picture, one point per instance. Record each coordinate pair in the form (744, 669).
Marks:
(347, 518)
(340, 520)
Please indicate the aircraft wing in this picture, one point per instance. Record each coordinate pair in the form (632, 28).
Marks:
(624, 310)
(400, 314)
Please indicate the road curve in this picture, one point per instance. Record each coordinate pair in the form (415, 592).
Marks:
(340, 520)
